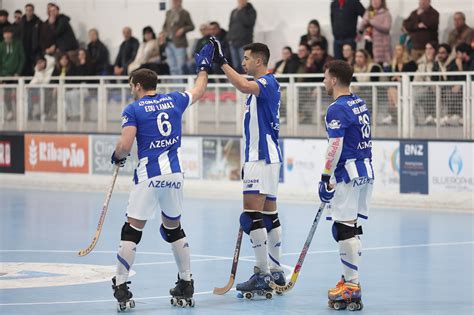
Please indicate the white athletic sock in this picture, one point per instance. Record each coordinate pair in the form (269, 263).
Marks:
(181, 256)
(125, 257)
(350, 251)
(259, 243)
(274, 248)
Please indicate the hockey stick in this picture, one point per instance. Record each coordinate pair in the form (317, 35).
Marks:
(299, 264)
(233, 271)
(87, 250)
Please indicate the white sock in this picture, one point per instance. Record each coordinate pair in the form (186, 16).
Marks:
(125, 257)
(182, 257)
(274, 248)
(259, 243)
(350, 251)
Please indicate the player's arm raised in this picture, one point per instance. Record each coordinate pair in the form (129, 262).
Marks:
(237, 80)
(203, 66)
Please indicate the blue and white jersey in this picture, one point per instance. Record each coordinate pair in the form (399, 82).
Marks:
(262, 122)
(349, 117)
(158, 121)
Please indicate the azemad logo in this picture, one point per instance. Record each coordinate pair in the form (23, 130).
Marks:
(455, 162)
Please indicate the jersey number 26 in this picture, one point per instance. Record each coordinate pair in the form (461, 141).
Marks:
(364, 120)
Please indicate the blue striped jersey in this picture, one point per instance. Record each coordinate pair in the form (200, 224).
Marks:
(158, 121)
(262, 122)
(349, 117)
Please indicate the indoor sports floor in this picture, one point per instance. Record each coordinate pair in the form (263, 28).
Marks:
(414, 261)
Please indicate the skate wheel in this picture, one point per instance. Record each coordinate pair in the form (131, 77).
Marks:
(339, 305)
(182, 303)
(248, 295)
(191, 303)
(360, 306)
(278, 293)
(353, 307)
(269, 295)
(131, 304)
(121, 307)
(331, 304)
(174, 301)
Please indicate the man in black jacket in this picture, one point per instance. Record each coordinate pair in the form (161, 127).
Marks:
(344, 14)
(98, 54)
(242, 22)
(29, 35)
(127, 52)
(65, 39)
(3, 22)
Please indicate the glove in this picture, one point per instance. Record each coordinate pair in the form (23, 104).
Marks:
(325, 194)
(219, 56)
(114, 160)
(204, 58)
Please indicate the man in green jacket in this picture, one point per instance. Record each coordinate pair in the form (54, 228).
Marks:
(12, 59)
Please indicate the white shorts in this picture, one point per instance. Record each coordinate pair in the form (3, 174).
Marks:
(351, 200)
(261, 178)
(164, 192)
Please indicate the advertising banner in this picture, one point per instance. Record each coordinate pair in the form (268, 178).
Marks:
(12, 154)
(101, 148)
(413, 167)
(451, 167)
(386, 164)
(57, 153)
(221, 159)
(190, 156)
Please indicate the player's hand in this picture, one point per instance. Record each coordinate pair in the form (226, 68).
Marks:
(326, 192)
(219, 56)
(119, 162)
(204, 58)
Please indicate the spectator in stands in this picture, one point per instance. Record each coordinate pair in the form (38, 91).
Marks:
(127, 52)
(44, 68)
(12, 60)
(85, 65)
(98, 54)
(303, 54)
(42, 75)
(376, 24)
(148, 53)
(443, 59)
(16, 24)
(317, 59)
(462, 33)
(47, 34)
(289, 63)
(221, 34)
(64, 37)
(364, 64)
(313, 35)
(348, 54)
(425, 96)
(422, 26)
(3, 22)
(177, 23)
(241, 25)
(205, 31)
(64, 67)
(344, 14)
(401, 62)
(29, 34)
(464, 60)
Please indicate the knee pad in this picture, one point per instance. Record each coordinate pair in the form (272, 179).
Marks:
(271, 221)
(342, 232)
(251, 221)
(172, 235)
(130, 234)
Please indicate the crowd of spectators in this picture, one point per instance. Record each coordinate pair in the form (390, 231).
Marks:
(32, 47)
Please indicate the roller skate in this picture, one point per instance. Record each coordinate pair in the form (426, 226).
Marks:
(345, 295)
(182, 293)
(123, 296)
(257, 285)
(279, 279)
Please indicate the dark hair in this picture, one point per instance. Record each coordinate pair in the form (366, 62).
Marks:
(433, 44)
(464, 48)
(147, 79)
(259, 49)
(365, 53)
(4, 13)
(8, 29)
(214, 23)
(315, 23)
(40, 57)
(148, 29)
(52, 4)
(445, 46)
(18, 11)
(305, 45)
(30, 5)
(318, 44)
(288, 48)
(341, 70)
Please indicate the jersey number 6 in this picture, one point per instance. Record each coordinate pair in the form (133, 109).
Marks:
(164, 126)
(364, 120)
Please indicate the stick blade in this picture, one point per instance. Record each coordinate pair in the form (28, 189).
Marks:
(224, 290)
(282, 288)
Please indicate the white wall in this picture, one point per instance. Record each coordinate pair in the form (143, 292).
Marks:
(279, 22)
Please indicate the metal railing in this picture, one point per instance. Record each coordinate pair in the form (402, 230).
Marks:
(403, 108)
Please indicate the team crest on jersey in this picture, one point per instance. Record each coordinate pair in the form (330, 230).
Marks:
(263, 81)
(334, 124)
(124, 120)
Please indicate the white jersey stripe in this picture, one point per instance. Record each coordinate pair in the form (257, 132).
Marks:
(368, 166)
(272, 150)
(254, 130)
(351, 168)
(164, 162)
(142, 174)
